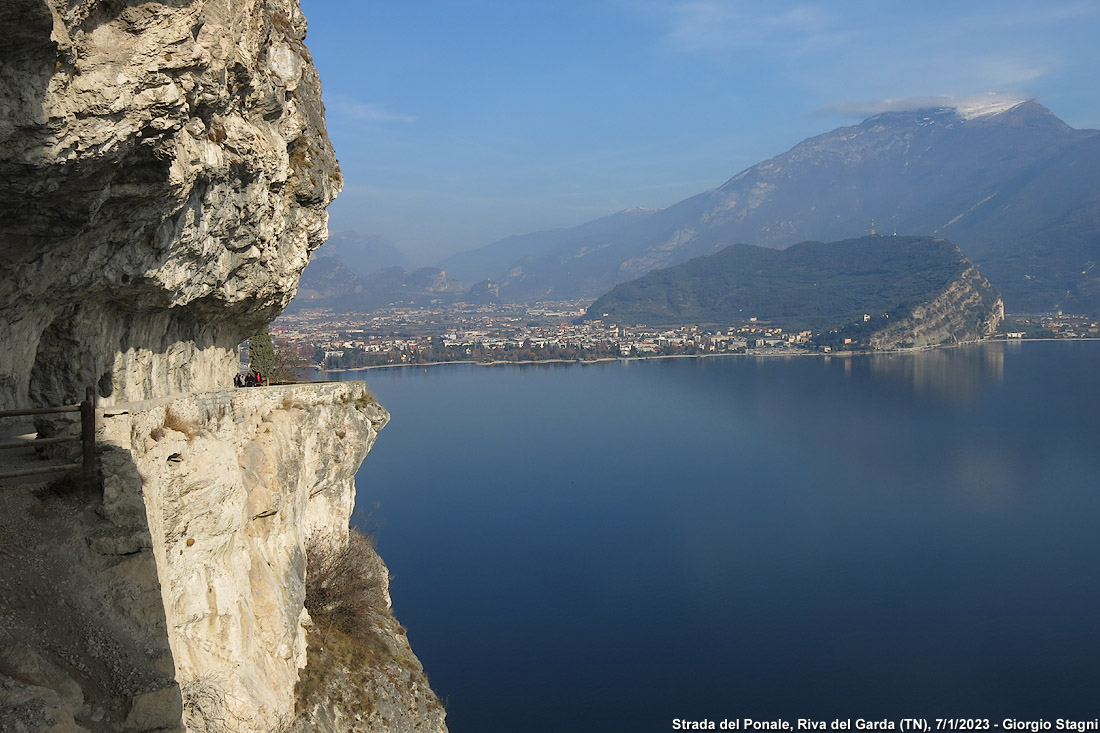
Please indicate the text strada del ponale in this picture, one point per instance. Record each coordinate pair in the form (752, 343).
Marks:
(748, 724)
(736, 724)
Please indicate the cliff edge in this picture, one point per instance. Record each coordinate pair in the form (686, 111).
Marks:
(164, 173)
(175, 594)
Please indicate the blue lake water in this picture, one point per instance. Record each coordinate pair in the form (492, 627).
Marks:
(611, 546)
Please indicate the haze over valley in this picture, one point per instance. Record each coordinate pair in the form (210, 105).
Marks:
(1007, 181)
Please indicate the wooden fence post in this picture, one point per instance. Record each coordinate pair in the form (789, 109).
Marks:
(87, 439)
(87, 432)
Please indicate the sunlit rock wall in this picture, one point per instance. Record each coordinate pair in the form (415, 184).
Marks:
(164, 172)
(968, 309)
(232, 486)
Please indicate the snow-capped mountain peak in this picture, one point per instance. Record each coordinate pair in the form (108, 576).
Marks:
(973, 109)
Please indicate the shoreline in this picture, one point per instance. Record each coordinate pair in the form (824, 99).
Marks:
(604, 360)
(831, 354)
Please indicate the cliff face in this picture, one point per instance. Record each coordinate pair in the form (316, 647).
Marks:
(180, 590)
(968, 309)
(164, 173)
(164, 176)
(234, 485)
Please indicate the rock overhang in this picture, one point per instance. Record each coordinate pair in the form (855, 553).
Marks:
(164, 177)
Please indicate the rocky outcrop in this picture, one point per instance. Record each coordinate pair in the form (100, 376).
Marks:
(163, 177)
(178, 595)
(368, 680)
(969, 309)
(164, 173)
(234, 485)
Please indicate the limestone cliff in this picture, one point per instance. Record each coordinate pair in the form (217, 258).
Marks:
(178, 593)
(164, 173)
(968, 309)
(163, 177)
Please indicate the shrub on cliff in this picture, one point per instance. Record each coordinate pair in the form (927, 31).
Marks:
(343, 584)
(351, 648)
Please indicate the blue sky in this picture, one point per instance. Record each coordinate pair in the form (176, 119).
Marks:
(459, 122)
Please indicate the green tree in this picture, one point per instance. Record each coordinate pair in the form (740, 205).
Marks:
(261, 352)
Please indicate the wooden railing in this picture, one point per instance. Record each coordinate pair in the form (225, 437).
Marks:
(86, 438)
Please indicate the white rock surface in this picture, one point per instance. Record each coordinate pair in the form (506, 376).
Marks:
(180, 589)
(233, 484)
(968, 309)
(164, 173)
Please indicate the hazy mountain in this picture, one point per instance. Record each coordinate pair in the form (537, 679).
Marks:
(363, 253)
(494, 261)
(325, 278)
(1012, 185)
(1052, 264)
(867, 286)
(1054, 267)
(329, 283)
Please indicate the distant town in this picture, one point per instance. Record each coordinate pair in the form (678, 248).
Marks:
(553, 331)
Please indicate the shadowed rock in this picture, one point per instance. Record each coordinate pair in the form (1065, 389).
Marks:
(163, 177)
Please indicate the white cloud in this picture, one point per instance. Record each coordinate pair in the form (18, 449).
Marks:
(988, 100)
(876, 50)
(343, 107)
(1007, 71)
(708, 26)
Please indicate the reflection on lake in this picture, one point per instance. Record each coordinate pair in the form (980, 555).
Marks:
(611, 546)
(947, 375)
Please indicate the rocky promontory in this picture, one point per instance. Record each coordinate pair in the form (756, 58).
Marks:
(875, 291)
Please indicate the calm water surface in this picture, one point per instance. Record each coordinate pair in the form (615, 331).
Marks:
(611, 546)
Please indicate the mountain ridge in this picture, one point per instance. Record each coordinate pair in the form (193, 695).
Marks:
(985, 181)
(328, 282)
(363, 253)
(907, 288)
